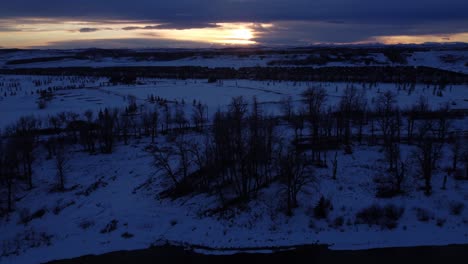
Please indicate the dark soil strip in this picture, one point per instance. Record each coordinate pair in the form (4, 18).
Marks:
(303, 254)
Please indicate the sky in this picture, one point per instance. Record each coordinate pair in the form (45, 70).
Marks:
(224, 23)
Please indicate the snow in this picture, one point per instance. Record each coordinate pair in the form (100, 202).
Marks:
(152, 221)
(130, 185)
(418, 58)
(216, 95)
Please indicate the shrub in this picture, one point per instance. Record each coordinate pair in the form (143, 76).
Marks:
(23, 241)
(348, 150)
(111, 226)
(57, 209)
(339, 221)
(456, 208)
(385, 217)
(386, 190)
(323, 207)
(86, 224)
(127, 235)
(440, 222)
(41, 104)
(26, 217)
(423, 215)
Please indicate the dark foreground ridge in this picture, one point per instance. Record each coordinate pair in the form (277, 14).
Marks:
(304, 254)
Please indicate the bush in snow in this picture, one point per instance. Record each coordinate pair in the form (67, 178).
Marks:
(456, 208)
(323, 207)
(111, 226)
(338, 222)
(440, 222)
(26, 216)
(423, 215)
(29, 238)
(86, 224)
(385, 217)
(127, 235)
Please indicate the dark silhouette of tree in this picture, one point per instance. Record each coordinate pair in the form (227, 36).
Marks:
(25, 132)
(61, 161)
(428, 153)
(293, 176)
(106, 123)
(199, 116)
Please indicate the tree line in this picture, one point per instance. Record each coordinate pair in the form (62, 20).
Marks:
(386, 74)
(242, 149)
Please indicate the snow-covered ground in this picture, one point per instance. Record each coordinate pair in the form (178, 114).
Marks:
(427, 58)
(76, 229)
(22, 100)
(124, 186)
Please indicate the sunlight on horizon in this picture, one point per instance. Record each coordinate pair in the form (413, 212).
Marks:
(44, 33)
(420, 39)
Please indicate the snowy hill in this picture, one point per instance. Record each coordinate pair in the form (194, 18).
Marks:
(451, 57)
(119, 200)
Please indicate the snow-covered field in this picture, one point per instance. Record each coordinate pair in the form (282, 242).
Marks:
(22, 100)
(124, 186)
(435, 58)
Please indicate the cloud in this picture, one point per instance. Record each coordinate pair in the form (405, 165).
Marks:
(123, 43)
(294, 21)
(209, 11)
(177, 26)
(88, 30)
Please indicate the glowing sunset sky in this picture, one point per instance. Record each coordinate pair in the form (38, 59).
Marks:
(206, 23)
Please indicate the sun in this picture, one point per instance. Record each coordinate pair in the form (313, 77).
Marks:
(242, 34)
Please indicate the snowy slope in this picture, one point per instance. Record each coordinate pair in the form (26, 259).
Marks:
(124, 186)
(76, 229)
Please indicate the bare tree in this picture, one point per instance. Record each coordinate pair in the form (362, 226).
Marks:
(153, 121)
(175, 160)
(457, 151)
(106, 122)
(164, 161)
(9, 170)
(389, 120)
(287, 107)
(179, 116)
(182, 150)
(199, 115)
(418, 110)
(293, 177)
(314, 100)
(61, 162)
(25, 132)
(335, 166)
(428, 153)
(167, 116)
(352, 107)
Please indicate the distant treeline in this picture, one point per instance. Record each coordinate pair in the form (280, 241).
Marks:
(386, 74)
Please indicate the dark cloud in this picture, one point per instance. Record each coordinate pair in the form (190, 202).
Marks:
(208, 11)
(178, 26)
(305, 33)
(88, 30)
(123, 43)
(295, 21)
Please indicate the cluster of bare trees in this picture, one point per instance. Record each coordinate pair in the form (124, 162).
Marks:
(241, 150)
(427, 131)
(241, 153)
